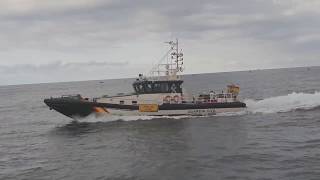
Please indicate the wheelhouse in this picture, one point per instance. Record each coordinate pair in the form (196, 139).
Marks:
(152, 87)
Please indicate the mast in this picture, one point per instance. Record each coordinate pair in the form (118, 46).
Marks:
(177, 58)
(173, 65)
(178, 55)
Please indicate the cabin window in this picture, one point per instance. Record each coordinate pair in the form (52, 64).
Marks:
(149, 87)
(135, 88)
(173, 88)
(121, 102)
(141, 88)
(179, 89)
(164, 87)
(157, 87)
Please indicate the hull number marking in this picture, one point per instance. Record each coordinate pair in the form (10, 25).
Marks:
(202, 111)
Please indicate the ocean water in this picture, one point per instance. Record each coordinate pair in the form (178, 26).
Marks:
(276, 137)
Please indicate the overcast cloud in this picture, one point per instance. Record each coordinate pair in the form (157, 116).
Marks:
(49, 40)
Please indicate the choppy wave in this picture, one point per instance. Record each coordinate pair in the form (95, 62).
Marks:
(287, 103)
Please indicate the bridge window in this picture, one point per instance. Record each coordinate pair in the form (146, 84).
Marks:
(173, 88)
(164, 88)
(157, 87)
(149, 87)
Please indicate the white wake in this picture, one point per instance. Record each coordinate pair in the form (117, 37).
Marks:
(93, 118)
(287, 103)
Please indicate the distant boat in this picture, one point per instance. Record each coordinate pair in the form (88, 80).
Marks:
(160, 94)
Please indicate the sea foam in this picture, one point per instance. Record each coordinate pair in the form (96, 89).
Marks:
(286, 103)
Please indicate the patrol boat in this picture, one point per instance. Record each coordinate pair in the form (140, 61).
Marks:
(159, 94)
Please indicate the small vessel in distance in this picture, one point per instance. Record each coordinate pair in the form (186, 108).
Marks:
(160, 94)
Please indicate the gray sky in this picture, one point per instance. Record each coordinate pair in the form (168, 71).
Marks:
(50, 40)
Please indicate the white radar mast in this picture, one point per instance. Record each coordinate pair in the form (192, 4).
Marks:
(174, 65)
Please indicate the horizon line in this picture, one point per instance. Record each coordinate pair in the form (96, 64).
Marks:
(257, 69)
